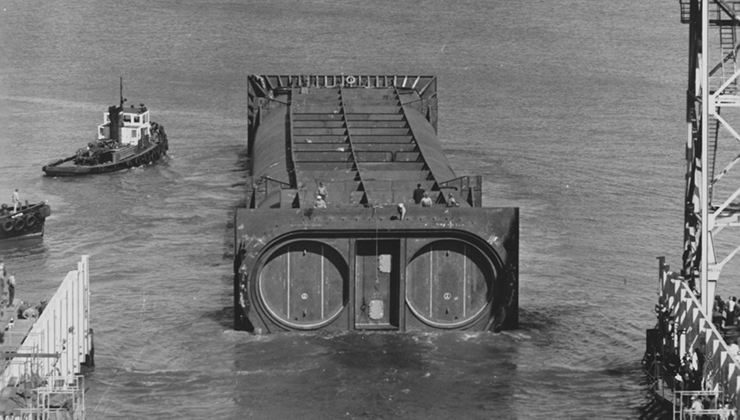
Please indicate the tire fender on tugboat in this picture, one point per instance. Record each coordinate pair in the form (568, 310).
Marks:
(19, 223)
(8, 225)
(31, 220)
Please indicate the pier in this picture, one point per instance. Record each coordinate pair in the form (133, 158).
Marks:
(690, 366)
(687, 355)
(43, 357)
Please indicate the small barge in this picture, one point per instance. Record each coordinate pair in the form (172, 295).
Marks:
(126, 139)
(25, 220)
(334, 235)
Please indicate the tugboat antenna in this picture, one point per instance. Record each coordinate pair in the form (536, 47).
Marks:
(120, 78)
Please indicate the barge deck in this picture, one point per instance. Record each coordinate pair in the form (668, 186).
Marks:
(356, 221)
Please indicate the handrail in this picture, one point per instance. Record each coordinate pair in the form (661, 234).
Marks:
(727, 10)
(265, 177)
(460, 178)
(265, 84)
(31, 207)
(464, 182)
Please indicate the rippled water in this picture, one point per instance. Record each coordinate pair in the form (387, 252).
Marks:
(571, 110)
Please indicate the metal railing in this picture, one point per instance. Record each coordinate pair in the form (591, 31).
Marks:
(693, 329)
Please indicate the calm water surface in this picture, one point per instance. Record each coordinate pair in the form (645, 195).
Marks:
(571, 110)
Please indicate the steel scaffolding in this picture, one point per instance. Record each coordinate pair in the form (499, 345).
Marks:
(713, 144)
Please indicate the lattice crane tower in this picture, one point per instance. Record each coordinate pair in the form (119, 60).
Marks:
(712, 207)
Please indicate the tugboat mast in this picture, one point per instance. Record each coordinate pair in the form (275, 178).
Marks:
(121, 92)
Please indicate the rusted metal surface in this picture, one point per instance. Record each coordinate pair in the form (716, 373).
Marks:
(364, 143)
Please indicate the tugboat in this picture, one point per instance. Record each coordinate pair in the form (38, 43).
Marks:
(126, 139)
(27, 220)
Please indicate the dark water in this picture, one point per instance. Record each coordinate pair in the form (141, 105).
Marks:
(571, 110)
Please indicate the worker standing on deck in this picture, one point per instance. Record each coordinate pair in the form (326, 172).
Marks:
(16, 200)
(322, 191)
(11, 289)
(734, 349)
(426, 201)
(451, 202)
(41, 306)
(319, 203)
(3, 279)
(730, 409)
(696, 405)
(418, 194)
(401, 211)
(718, 309)
(730, 312)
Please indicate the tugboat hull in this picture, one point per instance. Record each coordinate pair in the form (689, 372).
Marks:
(28, 220)
(66, 166)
